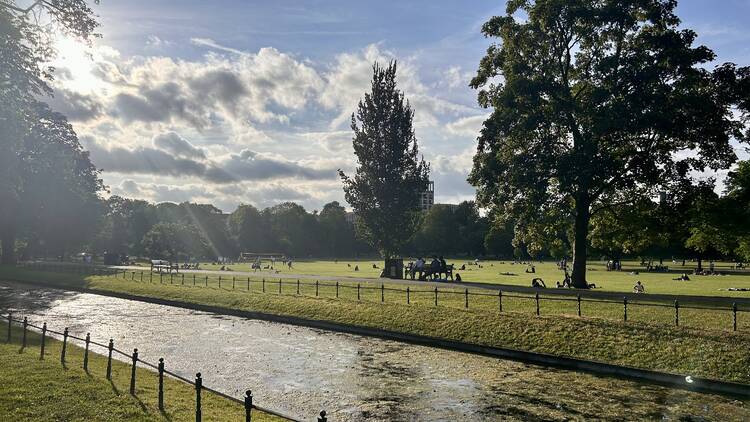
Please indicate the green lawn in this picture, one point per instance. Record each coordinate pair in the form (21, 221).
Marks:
(43, 390)
(505, 272)
(699, 346)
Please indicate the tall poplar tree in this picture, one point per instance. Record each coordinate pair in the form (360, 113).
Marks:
(384, 191)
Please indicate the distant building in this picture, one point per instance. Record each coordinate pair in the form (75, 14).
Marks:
(350, 216)
(452, 207)
(427, 196)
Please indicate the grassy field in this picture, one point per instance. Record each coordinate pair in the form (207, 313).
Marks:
(506, 272)
(696, 347)
(43, 390)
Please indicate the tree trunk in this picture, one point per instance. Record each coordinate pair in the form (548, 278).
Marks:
(578, 278)
(700, 266)
(8, 244)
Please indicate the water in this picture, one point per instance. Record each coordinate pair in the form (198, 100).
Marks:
(300, 371)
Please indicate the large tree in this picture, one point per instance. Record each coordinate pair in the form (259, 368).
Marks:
(384, 191)
(596, 103)
(26, 123)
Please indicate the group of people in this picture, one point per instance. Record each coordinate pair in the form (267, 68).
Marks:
(423, 270)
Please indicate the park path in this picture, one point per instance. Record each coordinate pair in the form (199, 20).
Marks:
(712, 301)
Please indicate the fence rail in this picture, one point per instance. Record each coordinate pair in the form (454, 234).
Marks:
(65, 337)
(668, 313)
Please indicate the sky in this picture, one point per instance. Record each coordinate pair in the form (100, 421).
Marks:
(230, 102)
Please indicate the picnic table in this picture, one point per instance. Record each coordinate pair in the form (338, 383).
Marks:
(161, 266)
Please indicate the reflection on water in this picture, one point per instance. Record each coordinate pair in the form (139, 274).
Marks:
(300, 370)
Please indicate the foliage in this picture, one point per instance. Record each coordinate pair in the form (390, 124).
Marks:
(173, 241)
(33, 137)
(384, 190)
(592, 102)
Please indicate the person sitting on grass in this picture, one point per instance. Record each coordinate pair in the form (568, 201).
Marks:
(531, 269)
(638, 288)
(538, 283)
(683, 277)
(458, 278)
(356, 268)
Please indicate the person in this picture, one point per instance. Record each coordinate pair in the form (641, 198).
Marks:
(419, 267)
(410, 270)
(458, 277)
(538, 283)
(443, 265)
(683, 277)
(289, 264)
(463, 267)
(711, 266)
(356, 268)
(638, 288)
(531, 269)
(435, 267)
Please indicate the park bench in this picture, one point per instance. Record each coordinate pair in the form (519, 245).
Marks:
(161, 266)
(427, 272)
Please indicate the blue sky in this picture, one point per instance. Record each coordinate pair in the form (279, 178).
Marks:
(234, 102)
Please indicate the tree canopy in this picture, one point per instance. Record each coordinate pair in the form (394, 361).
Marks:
(597, 104)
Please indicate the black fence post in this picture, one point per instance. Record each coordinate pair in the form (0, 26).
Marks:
(110, 347)
(132, 276)
(298, 289)
(500, 300)
(44, 335)
(264, 285)
(536, 297)
(183, 279)
(193, 279)
(625, 309)
(734, 316)
(64, 345)
(132, 372)
(358, 292)
(86, 353)
(248, 405)
(141, 276)
(466, 298)
(248, 284)
(436, 295)
(161, 384)
(279, 287)
(198, 386)
(219, 282)
(151, 277)
(337, 290)
(317, 285)
(408, 299)
(161, 278)
(10, 324)
(322, 417)
(676, 313)
(233, 282)
(25, 326)
(206, 281)
(578, 299)
(382, 296)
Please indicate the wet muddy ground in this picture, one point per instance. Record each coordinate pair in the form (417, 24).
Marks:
(300, 371)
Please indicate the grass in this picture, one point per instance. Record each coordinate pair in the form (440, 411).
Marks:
(33, 389)
(506, 272)
(697, 349)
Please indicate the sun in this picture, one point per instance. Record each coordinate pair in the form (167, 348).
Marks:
(75, 63)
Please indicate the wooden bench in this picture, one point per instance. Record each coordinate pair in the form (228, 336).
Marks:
(161, 266)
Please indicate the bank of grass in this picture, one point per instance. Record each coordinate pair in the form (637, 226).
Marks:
(35, 390)
(506, 272)
(703, 352)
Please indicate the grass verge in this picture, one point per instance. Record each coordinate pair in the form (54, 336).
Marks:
(695, 351)
(36, 390)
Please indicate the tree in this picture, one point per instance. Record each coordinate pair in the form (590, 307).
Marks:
(174, 241)
(26, 122)
(389, 176)
(338, 235)
(591, 102)
(249, 229)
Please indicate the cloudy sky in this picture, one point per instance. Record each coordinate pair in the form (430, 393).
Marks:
(231, 102)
